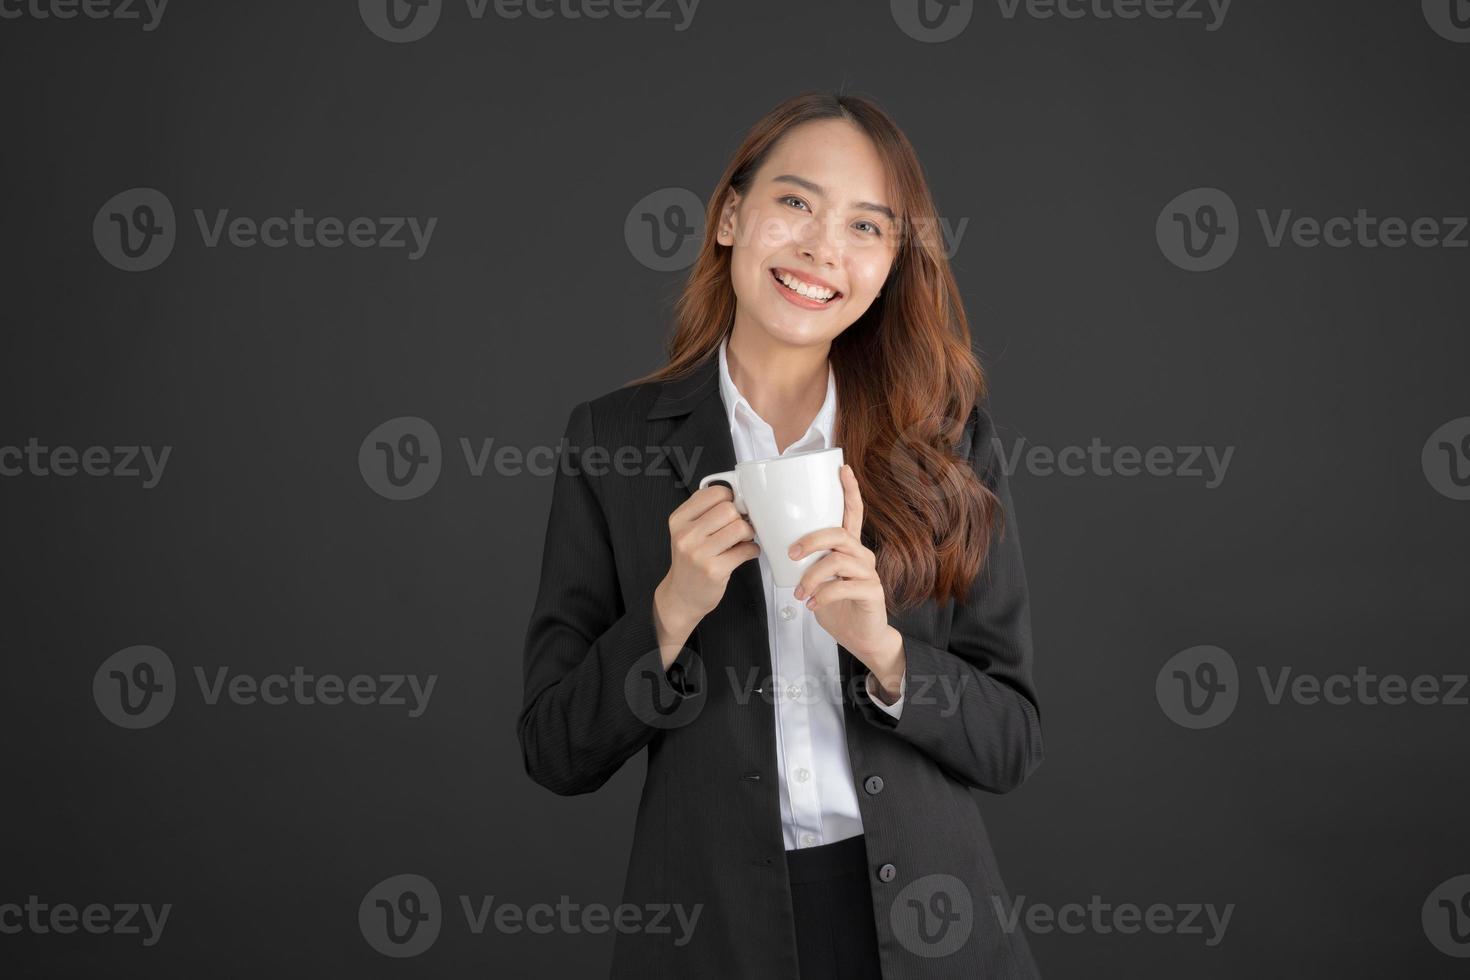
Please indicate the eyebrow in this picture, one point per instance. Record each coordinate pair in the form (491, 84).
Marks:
(817, 189)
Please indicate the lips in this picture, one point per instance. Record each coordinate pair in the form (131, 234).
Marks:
(806, 291)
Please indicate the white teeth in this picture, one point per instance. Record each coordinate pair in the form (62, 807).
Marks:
(805, 289)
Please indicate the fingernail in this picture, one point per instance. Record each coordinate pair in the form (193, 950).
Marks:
(795, 551)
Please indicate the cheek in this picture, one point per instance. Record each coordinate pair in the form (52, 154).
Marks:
(867, 271)
(773, 230)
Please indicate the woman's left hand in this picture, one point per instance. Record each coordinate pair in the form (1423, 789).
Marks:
(845, 593)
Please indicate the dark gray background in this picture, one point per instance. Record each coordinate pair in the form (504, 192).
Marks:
(263, 548)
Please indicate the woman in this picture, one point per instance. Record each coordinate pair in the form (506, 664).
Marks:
(816, 754)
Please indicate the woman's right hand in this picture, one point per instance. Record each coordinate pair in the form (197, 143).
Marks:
(708, 540)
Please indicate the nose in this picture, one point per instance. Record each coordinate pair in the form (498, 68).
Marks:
(817, 243)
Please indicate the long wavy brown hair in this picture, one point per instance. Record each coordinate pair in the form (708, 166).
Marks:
(905, 372)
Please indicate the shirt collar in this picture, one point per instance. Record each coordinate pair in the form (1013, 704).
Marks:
(822, 426)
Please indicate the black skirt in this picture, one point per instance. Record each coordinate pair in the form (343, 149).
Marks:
(835, 934)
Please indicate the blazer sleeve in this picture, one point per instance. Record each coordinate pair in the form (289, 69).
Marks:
(972, 707)
(581, 718)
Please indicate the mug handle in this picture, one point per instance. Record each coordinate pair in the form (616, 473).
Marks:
(732, 478)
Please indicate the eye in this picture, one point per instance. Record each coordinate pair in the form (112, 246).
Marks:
(792, 197)
(875, 229)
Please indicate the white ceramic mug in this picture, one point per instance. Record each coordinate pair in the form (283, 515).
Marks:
(787, 497)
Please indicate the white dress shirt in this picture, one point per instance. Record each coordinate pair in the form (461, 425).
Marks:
(818, 794)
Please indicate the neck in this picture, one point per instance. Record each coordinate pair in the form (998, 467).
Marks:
(785, 384)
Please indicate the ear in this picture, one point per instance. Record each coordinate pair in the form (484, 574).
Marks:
(725, 233)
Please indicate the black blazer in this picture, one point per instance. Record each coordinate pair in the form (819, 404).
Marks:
(708, 830)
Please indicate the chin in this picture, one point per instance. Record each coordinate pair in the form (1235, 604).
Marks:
(799, 334)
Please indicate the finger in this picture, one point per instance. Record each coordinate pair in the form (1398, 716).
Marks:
(852, 503)
(718, 517)
(844, 588)
(725, 538)
(834, 565)
(701, 501)
(833, 538)
(737, 556)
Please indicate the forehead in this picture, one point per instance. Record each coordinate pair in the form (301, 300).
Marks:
(836, 155)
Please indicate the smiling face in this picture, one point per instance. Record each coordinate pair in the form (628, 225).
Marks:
(814, 235)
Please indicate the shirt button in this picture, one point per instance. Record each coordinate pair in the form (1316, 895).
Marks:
(788, 613)
(802, 775)
(807, 840)
(887, 873)
(793, 692)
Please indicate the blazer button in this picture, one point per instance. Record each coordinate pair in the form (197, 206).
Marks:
(874, 785)
(887, 873)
